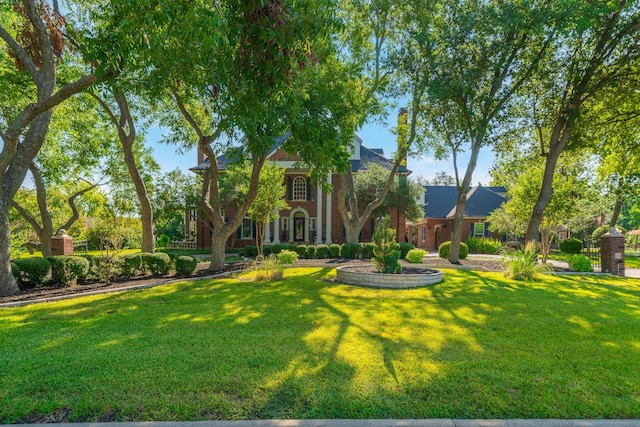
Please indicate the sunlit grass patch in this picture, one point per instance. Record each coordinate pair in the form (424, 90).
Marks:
(477, 345)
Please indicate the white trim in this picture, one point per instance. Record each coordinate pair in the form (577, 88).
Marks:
(292, 222)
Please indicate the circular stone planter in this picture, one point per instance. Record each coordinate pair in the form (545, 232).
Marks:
(365, 276)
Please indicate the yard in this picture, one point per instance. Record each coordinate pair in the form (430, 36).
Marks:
(475, 346)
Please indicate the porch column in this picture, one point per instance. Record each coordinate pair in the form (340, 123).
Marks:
(267, 232)
(328, 234)
(276, 228)
(319, 214)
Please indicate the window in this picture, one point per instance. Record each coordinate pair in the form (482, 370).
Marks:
(299, 188)
(285, 223)
(478, 229)
(424, 233)
(312, 224)
(247, 229)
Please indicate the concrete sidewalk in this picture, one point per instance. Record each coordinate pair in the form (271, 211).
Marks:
(362, 423)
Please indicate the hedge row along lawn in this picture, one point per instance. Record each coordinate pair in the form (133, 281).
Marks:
(474, 346)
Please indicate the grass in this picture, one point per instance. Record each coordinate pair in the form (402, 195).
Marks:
(475, 346)
(632, 258)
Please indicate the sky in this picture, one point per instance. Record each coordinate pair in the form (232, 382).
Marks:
(373, 136)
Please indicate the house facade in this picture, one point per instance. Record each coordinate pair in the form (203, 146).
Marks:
(312, 216)
(439, 210)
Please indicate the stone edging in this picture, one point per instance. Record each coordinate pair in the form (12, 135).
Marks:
(380, 280)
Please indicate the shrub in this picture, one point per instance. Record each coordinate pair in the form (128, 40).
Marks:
(158, 263)
(405, 247)
(107, 267)
(580, 263)
(67, 270)
(443, 250)
(415, 256)
(301, 250)
(483, 245)
(334, 250)
(133, 264)
(250, 251)
(163, 241)
(267, 250)
(277, 248)
(364, 250)
(346, 250)
(33, 271)
(523, 264)
(571, 246)
(322, 251)
(311, 252)
(386, 249)
(186, 265)
(287, 257)
(269, 269)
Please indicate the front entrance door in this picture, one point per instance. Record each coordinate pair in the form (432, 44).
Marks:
(298, 227)
(437, 237)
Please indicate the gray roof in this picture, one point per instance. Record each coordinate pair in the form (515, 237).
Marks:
(367, 157)
(370, 156)
(481, 201)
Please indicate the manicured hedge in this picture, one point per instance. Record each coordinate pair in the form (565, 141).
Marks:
(443, 250)
(186, 265)
(67, 270)
(571, 246)
(33, 271)
(415, 256)
(334, 250)
(322, 251)
(404, 248)
(158, 263)
(311, 252)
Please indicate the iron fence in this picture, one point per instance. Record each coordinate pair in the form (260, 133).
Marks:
(591, 250)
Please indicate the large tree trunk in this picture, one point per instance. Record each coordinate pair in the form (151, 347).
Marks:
(218, 246)
(127, 135)
(8, 284)
(617, 208)
(456, 232)
(45, 232)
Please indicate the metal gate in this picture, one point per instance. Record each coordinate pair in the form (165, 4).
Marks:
(592, 251)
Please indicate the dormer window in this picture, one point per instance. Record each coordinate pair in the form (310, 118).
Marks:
(299, 188)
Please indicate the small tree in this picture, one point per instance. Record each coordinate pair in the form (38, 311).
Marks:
(268, 200)
(386, 250)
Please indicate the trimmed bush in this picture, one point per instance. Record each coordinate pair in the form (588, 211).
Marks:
(301, 250)
(277, 248)
(107, 267)
(33, 271)
(415, 256)
(158, 263)
(405, 247)
(443, 250)
(366, 250)
(267, 250)
(311, 252)
(334, 250)
(186, 265)
(322, 251)
(580, 263)
(571, 246)
(287, 257)
(67, 270)
(250, 251)
(133, 264)
(346, 250)
(483, 245)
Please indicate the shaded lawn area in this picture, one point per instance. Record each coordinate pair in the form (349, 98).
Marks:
(476, 346)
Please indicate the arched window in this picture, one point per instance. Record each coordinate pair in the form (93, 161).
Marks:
(299, 188)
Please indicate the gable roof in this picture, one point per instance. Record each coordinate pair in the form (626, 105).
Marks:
(481, 201)
(368, 156)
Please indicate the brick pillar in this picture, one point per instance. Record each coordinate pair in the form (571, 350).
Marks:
(61, 243)
(612, 253)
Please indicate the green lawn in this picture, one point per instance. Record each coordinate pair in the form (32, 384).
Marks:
(632, 258)
(475, 346)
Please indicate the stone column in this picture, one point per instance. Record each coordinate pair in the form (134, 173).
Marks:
(612, 252)
(276, 228)
(267, 232)
(328, 234)
(61, 243)
(319, 214)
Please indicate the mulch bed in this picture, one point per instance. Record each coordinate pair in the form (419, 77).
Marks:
(54, 291)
